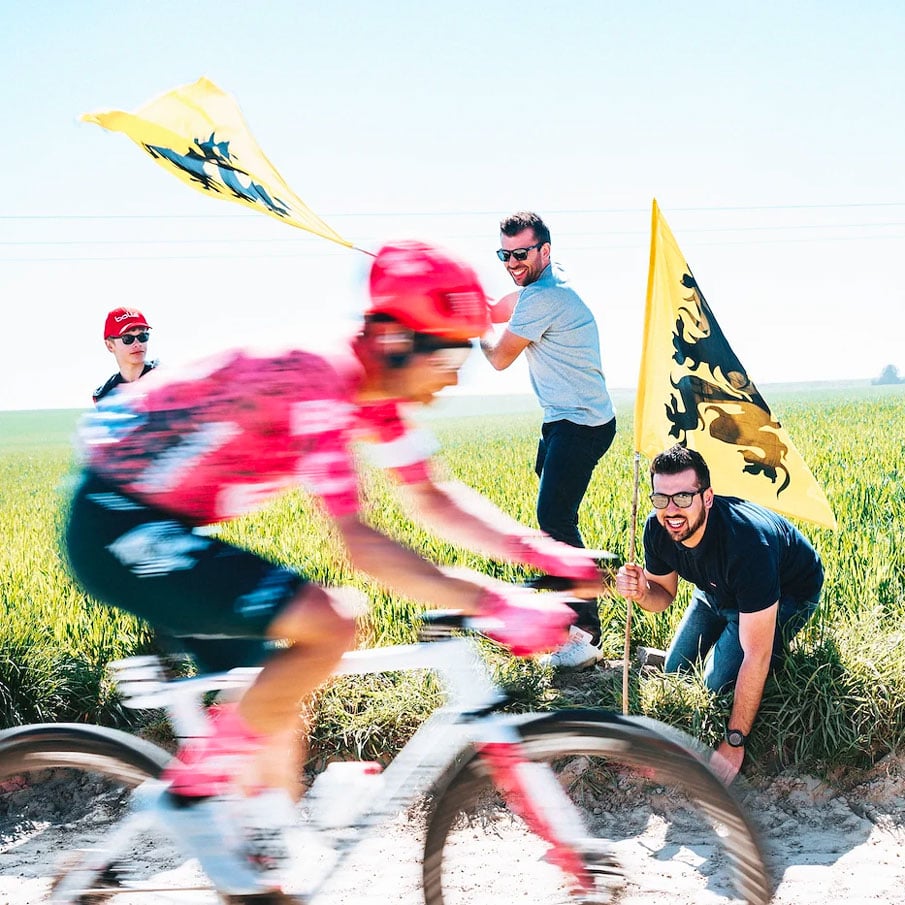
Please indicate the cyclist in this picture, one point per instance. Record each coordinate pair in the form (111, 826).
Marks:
(181, 450)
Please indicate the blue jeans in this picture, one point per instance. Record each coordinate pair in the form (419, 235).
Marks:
(710, 634)
(566, 456)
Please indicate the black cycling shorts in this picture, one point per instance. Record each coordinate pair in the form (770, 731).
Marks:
(181, 580)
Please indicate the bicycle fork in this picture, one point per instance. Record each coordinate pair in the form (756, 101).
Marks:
(534, 794)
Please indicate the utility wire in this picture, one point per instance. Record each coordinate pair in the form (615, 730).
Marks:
(572, 235)
(476, 213)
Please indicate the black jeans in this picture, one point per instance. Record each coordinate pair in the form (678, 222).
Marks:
(566, 457)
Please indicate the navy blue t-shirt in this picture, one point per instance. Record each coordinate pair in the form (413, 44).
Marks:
(748, 558)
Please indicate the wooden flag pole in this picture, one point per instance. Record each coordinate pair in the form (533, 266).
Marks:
(628, 607)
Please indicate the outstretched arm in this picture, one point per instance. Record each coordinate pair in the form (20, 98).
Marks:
(462, 516)
(524, 621)
(502, 350)
(402, 570)
(755, 634)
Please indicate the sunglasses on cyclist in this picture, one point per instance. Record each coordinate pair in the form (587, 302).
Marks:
(683, 499)
(450, 358)
(129, 338)
(518, 253)
(446, 355)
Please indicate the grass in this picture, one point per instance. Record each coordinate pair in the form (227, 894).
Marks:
(837, 703)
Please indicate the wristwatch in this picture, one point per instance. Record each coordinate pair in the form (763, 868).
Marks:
(735, 738)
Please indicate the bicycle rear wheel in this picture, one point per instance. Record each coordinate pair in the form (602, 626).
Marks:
(661, 827)
(63, 789)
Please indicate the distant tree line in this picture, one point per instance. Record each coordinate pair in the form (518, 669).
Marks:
(889, 374)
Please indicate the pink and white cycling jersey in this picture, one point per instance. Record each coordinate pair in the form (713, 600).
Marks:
(218, 439)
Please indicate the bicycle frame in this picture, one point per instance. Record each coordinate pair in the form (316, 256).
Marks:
(465, 721)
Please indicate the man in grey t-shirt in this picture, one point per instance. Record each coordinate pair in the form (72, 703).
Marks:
(558, 334)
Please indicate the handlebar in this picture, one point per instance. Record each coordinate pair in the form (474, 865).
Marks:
(551, 583)
(606, 562)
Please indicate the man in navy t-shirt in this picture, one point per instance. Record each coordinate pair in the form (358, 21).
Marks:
(757, 582)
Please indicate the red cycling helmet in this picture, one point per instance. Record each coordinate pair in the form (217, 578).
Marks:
(429, 291)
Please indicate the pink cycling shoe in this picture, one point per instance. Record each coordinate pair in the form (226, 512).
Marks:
(208, 765)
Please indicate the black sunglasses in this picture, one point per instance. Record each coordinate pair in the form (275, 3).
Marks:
(518, 253)
(682, 499)
(129, 338)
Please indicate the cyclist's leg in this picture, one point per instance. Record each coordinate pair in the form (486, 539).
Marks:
(319, 631)
(196, 586)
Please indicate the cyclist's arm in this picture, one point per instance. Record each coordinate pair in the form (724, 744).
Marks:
(462, 516)
(402, 570)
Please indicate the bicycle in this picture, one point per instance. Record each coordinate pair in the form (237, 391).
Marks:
(555, 786)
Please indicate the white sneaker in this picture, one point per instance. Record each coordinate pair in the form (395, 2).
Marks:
(576, 653)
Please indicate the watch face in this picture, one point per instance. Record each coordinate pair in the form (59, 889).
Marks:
(735, 738)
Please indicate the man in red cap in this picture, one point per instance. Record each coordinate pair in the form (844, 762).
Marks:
(187, 448)
(126, 335)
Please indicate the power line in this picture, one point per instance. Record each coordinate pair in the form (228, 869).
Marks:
(584, 240)
(475, 213)
(573, 235)
(233, 255)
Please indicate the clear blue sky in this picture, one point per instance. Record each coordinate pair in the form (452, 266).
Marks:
(771, 134)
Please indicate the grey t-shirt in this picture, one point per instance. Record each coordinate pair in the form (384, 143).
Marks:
(564, 352)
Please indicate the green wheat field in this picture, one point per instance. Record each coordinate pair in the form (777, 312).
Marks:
(838, 703)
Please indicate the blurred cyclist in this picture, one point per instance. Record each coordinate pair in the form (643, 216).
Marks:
(177, 451)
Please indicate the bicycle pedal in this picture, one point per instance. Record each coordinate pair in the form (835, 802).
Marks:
(199, 829)
(277, 897)
(605, 872)
(600, 859)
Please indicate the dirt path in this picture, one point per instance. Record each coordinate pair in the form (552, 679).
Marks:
(832, 846)
(826, 845)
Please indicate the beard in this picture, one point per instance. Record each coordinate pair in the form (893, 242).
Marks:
(687, 529)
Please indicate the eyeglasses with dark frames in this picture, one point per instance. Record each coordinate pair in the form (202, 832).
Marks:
(683, 499)
(520, 254)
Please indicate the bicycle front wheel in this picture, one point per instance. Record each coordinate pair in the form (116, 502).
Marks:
(63, 789)
(660, 826)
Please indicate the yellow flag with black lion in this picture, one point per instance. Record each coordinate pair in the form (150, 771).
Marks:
(692, 389)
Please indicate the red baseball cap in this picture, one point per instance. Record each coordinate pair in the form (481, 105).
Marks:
(119, 320)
